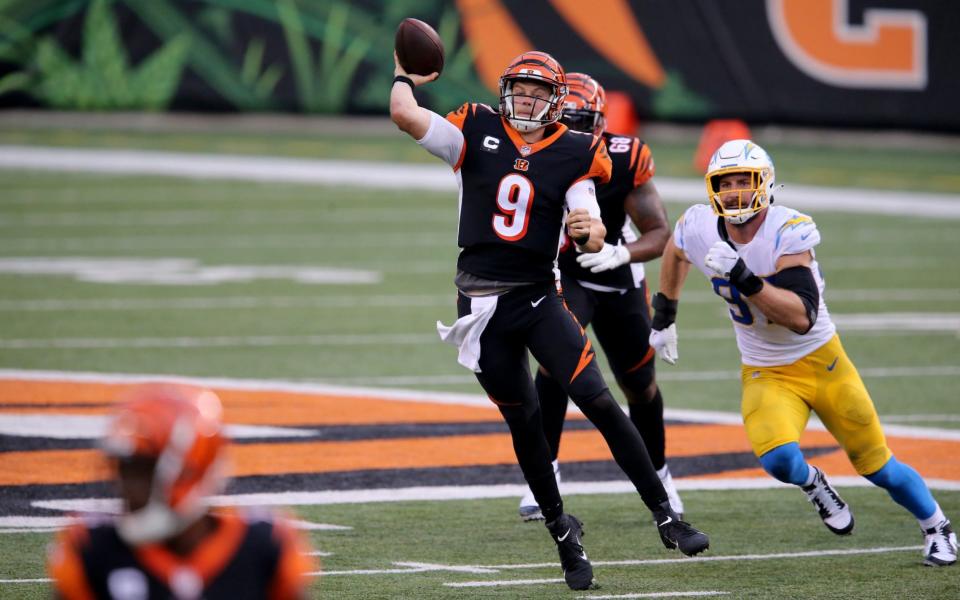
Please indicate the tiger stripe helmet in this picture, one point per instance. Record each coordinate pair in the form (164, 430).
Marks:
(181, 428)
(537, 67)
(585, 108)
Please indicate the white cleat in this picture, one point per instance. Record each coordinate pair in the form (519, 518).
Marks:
(832, 509)
(529, 509)
(939, 545)
(675, 502)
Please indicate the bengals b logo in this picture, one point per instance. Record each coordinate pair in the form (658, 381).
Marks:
(521, 164)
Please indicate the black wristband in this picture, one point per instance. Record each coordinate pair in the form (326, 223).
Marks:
(744, 280)
(664, 311)
(580, 241)
(404, 79)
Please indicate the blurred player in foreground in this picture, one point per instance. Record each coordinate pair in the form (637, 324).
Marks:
(760, 260)
(166, 444)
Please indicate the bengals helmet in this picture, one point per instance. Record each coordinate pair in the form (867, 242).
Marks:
(178, 431)
(741, 156)
(585, 108)
(540, 68)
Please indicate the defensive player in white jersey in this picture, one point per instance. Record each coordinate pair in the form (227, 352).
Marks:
(760, 259)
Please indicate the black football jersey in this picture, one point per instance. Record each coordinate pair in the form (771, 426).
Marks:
(512, 194)
(632, 167)
(240, 559)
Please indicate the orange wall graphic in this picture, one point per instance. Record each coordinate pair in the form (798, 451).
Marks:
(889, 50)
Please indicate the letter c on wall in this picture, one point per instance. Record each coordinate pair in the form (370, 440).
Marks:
(889, 50)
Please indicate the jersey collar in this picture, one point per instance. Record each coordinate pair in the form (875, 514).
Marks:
(526, 149)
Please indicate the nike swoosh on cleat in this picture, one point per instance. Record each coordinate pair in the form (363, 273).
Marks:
(669, 520)
(537, 303)
(832, 365)
(564, 536)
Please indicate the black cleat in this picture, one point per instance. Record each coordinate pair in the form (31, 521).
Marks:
(567, 531)
(675, 533)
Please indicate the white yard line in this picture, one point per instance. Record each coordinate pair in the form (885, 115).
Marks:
(177, 217)
(884, 296)
(419, 567)
(397, 176)
(91, 427)
(228, 302)
(849, 324)
(32, 524)
(222, 341)
(503, 582)
(919, 418)
(664, 561)
(460, 492)
(179, 241)
(664, 374)
(659, 595)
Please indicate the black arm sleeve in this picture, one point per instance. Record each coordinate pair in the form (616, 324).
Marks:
(800, 281)
(665, 311)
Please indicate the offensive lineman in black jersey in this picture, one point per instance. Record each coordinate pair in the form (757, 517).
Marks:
(520, 172)
(166, 443)
(608, 288)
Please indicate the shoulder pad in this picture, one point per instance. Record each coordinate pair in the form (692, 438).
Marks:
(795, 234)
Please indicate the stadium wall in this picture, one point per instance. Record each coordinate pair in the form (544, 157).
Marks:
(841, 63)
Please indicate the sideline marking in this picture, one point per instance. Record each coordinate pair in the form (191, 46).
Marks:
(92, 427)
(398, 300)
(461, 492)
(659, 595)
(418, 567)
(685, 560)
(394, 176)
(664, 375)
(874, 323)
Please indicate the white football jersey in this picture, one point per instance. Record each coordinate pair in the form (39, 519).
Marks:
(785, 231)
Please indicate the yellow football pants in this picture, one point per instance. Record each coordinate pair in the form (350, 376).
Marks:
(777, 402)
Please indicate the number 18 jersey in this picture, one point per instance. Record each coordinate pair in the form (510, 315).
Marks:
(784, 231)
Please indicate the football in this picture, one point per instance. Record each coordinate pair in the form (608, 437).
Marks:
(418, 47)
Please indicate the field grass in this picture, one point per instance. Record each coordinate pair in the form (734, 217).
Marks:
(382, 334)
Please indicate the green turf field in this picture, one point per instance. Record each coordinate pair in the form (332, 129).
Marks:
(383, 334)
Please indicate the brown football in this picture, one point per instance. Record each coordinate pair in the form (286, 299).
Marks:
(418, 47)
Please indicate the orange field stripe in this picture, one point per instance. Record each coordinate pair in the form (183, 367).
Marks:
(85, 465)
(933, 458)
(80, 466)
(248, 407)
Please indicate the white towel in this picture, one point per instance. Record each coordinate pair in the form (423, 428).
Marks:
(465, 331)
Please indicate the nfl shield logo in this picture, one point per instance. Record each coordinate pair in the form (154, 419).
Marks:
(524, 150)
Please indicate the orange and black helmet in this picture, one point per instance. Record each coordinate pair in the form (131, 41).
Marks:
(180, 429)
(540, 68)
(586, 104)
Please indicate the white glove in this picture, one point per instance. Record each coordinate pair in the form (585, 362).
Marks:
(609, 257)
(721, 259)
(664, 341)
